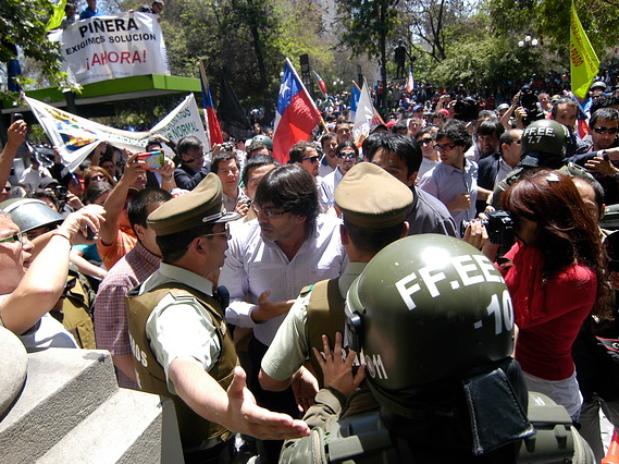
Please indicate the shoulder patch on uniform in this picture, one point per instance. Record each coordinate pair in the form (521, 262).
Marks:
(307, 289)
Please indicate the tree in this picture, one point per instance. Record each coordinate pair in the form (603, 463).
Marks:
(367, 27)
(550, 20)
(23, 24)
(428, 21)
(245, 40)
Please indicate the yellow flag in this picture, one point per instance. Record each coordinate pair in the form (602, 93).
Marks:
(584, 63)
(57, 15)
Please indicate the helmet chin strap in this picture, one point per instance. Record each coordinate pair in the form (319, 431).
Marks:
(465, 404)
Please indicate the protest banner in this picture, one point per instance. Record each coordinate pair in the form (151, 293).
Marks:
(108, 47)
(76, 137)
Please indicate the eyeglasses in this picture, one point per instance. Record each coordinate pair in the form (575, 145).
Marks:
(348, 156)
(606, 130)
(445, 146)
(17, 237)
(311, 159)
(268, 212)
(226, 232)
(426, 141)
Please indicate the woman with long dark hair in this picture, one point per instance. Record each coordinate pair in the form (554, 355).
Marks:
(555, 275)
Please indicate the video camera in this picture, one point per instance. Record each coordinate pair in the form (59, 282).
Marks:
(499, 226)
(466, 109)
(529, 101)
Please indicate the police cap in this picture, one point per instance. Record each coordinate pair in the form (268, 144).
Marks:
(371, 198)
(202, 205)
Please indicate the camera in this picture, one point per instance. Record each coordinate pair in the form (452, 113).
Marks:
(529, 101)
(466, 109)
(499, 226)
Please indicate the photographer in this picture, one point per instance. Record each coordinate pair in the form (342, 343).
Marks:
(555, 276)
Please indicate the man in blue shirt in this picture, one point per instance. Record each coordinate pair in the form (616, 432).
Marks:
(90, 11)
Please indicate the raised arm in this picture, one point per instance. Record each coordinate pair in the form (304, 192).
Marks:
(44, 281)
(16, 136)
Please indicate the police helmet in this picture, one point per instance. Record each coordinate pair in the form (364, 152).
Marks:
(544, 144)
(265, 140)
(29, 214)
(427, 308)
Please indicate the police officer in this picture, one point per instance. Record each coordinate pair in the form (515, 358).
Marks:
(543, 145)
(178, 336)
(432, 321)
(374, 206)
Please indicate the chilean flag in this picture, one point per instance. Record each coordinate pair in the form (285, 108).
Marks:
(410, 82)
(321, 84)
(296, 114)
(214, 129)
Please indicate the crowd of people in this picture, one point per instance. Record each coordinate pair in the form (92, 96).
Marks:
(222, 279)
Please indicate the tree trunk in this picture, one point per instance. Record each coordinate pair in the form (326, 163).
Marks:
(383, 51)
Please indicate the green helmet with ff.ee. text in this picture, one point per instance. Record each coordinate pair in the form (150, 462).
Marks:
(426, 308)
(544, 144)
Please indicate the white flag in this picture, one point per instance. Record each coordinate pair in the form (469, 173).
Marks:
(366, 117)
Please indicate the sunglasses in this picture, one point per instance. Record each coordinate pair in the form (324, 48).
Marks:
(312, 159)
(606, 130)
(426, 141)
(347, 155)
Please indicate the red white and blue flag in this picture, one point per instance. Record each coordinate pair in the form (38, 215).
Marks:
(410, 82)
(296, 115)
(321, 84)
(210, 116)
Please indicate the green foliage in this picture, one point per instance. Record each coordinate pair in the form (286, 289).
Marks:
(245, 40)
(490, 65)
(23, 23)
(550, 21)
(366, 23)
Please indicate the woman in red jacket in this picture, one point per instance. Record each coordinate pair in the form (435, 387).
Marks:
(554, 273)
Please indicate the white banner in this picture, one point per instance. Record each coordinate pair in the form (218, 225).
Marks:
(76, 137)
(109, 47)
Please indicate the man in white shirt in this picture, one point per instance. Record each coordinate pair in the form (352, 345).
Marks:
(270, 260)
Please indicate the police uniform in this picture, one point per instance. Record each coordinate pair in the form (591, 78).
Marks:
(438, 364)
(177, 313)
(369, 198)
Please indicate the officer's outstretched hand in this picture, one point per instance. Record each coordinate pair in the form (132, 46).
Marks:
(245, 416)
(337, 367)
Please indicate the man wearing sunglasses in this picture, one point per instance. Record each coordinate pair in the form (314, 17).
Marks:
(603, 158)
(347, 156)
(192, 167)
(306, 155)
(181, 345)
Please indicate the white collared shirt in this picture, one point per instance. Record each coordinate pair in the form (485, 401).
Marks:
(254, 265)
(329, 184)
